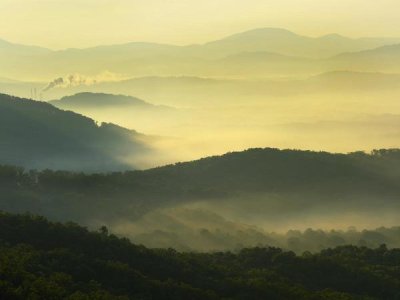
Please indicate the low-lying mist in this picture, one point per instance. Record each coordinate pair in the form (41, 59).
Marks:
(208, 226)
(193, 117)
(225, 202)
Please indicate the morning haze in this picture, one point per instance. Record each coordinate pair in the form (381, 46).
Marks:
(211, 149)
(77, 24)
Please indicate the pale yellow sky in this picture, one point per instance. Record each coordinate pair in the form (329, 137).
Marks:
(82, 23)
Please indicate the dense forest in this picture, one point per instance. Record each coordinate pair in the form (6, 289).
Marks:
(314, 177)
(37, 135)
(261, 183)
(44, 260)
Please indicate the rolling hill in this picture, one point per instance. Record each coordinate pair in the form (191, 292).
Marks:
(261, 183)
(151, 59)
(99, 100)
(41, 259)
(38, 135)
(381, 59)
(340, 81)
(8, 48)
(176, 91)
(285, 42)
(126, 111)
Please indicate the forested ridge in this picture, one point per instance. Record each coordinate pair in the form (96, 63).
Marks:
(38, 135)
(44, 260)
(314, 177)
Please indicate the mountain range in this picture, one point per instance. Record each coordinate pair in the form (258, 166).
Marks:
(285, 42)
(276, 189)
(278, 47)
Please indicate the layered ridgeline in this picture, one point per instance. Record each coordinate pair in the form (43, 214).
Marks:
(37, 135)
(127, 111)
(277, 40)
(186, 91)
(225, 201)
(99, 100)
(198, 91)
(47, 260)
(262, 52)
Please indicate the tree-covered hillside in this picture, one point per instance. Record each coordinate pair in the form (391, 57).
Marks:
(295, 180)
(37, 135)
(43, 260)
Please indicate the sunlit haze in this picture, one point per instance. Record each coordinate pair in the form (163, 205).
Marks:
(254, 143)
(75, 23)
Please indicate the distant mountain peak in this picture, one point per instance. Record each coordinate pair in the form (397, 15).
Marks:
(271, 30)
(266, 31)
(335, 36)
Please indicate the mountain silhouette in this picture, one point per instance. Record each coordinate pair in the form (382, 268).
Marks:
(37, 135)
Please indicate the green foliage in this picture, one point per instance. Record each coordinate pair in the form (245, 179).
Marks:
(304, 177)
(44, 260)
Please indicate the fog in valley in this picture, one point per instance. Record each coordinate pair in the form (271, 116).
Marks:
(202, 150)
(207, 226)
(260, 88)
(196, 117)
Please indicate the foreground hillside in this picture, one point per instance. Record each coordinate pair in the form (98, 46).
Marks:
(47, 260)
(321, 176)
(37, 135)
(202, 204)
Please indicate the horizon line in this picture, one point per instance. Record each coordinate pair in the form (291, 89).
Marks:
(194, 44)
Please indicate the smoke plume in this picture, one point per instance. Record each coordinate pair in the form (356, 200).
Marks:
(77, 79)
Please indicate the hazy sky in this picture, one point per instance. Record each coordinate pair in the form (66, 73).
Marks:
(82, 23)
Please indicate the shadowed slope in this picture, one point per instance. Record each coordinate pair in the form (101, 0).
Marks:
(38, 135)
